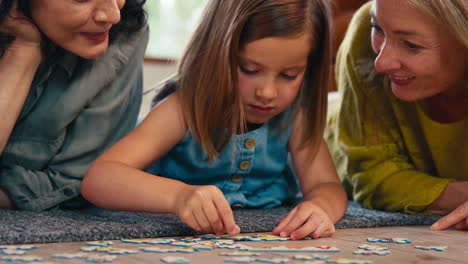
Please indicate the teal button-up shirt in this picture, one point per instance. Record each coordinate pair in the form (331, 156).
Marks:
(75, 110)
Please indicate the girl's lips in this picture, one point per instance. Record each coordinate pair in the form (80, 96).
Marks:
(261, 109)
(96, 37)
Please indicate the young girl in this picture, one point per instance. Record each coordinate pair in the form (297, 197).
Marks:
(251, 87)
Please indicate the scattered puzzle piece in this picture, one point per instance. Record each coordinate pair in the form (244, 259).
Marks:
(78, 255)
(190, 239)
(311, 257)
(109, 250)
(234, 253)
(223, 241)
(389, 240)
(202, 246)
(293, 249)
(254, 237)
(245, 259)
(19, 247)
(101, 259)
(22, 258)
(12, 252)
(371, 247)
(349, 261)
(236, 246)
(90, 248)
(175, 260)
(152, 241)
(275, 260)
(371, 252)
(436, 248)
(183, 244)
(100, 243)
(168, 250)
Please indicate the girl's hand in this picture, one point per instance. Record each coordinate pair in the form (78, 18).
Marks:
(27, 35)
(204, 208)
(458, 219)
(306, 220)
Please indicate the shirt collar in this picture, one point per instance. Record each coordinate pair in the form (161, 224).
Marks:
(68, 61)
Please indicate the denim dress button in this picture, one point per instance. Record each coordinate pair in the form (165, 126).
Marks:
(236, 178)
(245, 165)
(249, 143)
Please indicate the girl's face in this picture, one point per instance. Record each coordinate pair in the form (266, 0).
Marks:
(270, 75)
(79, 26)
(419, 55)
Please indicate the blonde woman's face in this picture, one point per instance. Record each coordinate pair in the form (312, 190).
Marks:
(421, 57)
(79, 26)
(270, 74)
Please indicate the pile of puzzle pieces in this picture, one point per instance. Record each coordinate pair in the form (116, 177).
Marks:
(233, 250)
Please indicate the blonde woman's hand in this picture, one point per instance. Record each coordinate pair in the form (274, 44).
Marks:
(26, 34)
(306, 220)
(204, 208)
(458, 218)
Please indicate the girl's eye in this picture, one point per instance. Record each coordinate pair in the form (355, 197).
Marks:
(289, 76)
(247, 71)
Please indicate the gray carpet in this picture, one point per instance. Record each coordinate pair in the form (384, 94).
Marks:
(98, 224)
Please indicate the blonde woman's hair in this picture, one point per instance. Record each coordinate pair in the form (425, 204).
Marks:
(207, 74)
(452, 13)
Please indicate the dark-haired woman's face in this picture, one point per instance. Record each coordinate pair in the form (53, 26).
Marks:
(79, 26)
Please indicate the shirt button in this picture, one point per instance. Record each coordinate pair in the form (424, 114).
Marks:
(245, 165)
(249, 143)
(237, 206)
(236, 178)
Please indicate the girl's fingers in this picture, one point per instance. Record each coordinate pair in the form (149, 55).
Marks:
(323, 230)
(278, 229)
(308, 227)
(299, 219)
(204, 223)
(227, 217)
(193, 223)
(213, 218)
(454, 217)
(189, 219)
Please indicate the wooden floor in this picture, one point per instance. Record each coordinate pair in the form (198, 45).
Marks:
(347, 240)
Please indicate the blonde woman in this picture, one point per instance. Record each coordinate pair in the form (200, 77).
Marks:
(399, 135)
(252, 86)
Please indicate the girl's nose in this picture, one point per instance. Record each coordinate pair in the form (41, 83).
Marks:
(267, 90)
(387, 59)
(108, 12)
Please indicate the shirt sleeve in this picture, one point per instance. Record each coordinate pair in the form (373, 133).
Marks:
(106, 118)
(376, 165)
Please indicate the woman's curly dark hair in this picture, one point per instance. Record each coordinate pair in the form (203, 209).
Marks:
(133, 18)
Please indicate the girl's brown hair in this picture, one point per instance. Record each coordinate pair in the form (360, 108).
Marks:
(207, 74)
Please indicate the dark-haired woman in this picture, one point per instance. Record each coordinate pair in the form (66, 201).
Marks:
(70, 86)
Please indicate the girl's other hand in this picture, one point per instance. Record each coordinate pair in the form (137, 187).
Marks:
(204, 208)
(27, 35)
(458, 219)
(305, 220)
